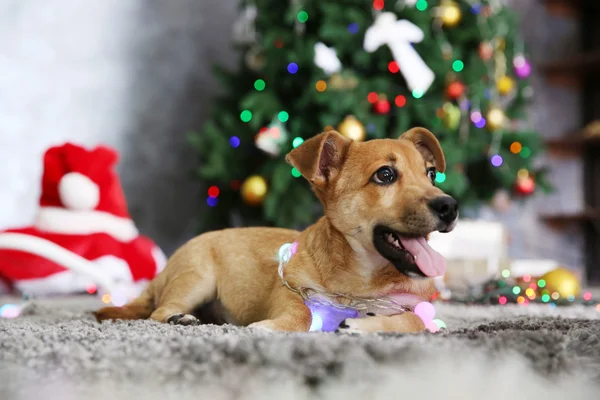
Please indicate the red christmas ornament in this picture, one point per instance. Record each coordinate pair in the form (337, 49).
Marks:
(525, 186)
(455, 90)
(382, 106)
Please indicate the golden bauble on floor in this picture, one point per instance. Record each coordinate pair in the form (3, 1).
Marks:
(352, 128)
(254, 189)
(563, 282)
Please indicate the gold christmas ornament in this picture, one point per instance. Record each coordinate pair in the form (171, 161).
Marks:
(450, 13)
(352, 128)
(254, 190)
(505, 85)
(563, 282)
(495, 118)
(450, 116)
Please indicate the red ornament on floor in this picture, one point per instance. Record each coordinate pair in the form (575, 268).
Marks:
(455, 90)
(382, 106)
(83, 238)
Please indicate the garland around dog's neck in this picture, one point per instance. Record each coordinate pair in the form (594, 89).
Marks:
(321, 303)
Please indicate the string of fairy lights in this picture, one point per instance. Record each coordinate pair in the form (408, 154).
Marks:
(461, 108)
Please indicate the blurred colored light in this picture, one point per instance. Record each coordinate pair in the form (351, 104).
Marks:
(487, 93)
(552, 305)
(213, 191)
(542, 283)
(292, 68)
(529, 292)
(516, 290)
(234, 141)
(106, 298)
(571, 298)
(440, 177)
(378, 4)
(10, 311)
(321, 86)
(497, 160)
(259, 84)
(297, 141)
(476, 8)
(481, 123)
(533, 285)
(421, 5)
(372, 97)
(520, 299)
(417, 93)
(545, 298)
(555, 295)
(400, 101)
(465, 105)
(525, 152)
(598, 307)
(476, 116)
(505, 273)
(523, 173)
(296, 173)
(91, 288)
(393, 67)
(212, 201)
(303, 16)
(353, 28)
(587, 296)
(515, 147)
(458, 66)
(502, 300)
(526, 278)
(278, 43)
(283, 116)
(246, 115)
(370, 127)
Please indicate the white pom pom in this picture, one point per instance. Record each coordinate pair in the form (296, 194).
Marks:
(78, 192)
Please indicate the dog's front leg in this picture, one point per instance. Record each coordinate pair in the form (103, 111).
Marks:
(407, 322)
(287, 312)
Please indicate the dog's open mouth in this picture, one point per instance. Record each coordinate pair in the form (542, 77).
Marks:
(410, 255)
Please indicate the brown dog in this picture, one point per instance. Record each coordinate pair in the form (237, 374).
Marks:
(380, 204)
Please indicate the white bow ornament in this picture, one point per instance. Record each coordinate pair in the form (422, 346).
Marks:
(398, 36)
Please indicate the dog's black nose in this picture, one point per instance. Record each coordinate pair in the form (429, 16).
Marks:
(445, 207)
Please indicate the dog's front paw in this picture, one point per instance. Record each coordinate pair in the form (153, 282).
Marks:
(183, 319)
(350, 326)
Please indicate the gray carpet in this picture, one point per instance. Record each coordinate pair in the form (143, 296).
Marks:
(54, 350)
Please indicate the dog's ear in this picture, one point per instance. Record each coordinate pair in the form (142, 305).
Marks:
(320, 157)
(428, 146)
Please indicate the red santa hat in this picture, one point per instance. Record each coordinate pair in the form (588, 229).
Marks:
(82, 180)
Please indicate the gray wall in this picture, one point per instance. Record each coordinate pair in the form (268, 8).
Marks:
(136, 74)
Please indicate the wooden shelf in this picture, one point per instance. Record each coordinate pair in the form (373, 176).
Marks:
(569, 72)
(571, 145)
(560, 221)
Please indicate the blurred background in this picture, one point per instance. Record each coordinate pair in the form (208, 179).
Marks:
(138, 76)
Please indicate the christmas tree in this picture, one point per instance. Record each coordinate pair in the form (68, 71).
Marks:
(369, 69)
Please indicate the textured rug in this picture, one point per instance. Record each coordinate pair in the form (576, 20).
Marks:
(55, 350)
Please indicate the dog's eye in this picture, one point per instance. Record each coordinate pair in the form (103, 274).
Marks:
(431, 173)
(384, 175)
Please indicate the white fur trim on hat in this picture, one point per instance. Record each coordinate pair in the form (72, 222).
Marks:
(78, 192)
(63, 221)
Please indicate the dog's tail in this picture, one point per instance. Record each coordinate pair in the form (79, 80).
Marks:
(140, 308)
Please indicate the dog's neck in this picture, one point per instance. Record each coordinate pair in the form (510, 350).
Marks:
(339, 264)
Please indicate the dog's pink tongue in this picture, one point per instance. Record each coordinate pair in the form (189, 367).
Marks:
(429, 261)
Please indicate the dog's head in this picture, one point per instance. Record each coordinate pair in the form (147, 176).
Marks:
(381, 194)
